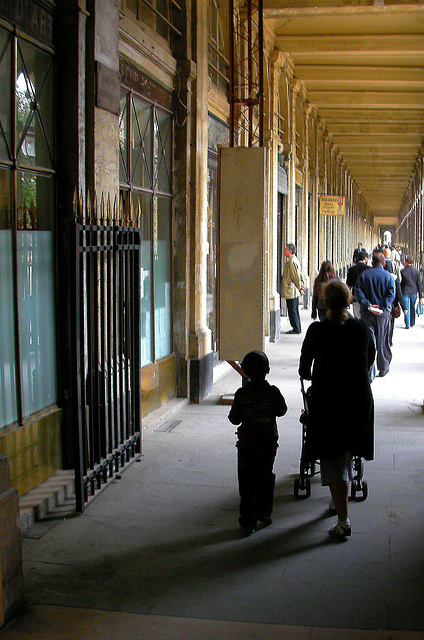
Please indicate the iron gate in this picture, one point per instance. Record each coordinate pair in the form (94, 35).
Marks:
(107, 324)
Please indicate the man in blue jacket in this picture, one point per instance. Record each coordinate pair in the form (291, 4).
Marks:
(375, 291)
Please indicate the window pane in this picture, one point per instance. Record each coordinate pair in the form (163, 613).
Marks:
(141, 144)
(123, 142)
(211, 269)
(35, 253)
(161, 26)
(146, 276)
(163, 309)
(163, 151)
(34, 104)
(5, 94)
(35, 202)
(8, 407)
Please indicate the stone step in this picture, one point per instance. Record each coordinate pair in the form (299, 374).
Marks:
(37, 503)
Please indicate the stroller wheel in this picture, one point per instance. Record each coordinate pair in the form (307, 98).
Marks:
(302, 489)
(359, 487)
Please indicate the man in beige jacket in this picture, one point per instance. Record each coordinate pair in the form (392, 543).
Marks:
(292, 286)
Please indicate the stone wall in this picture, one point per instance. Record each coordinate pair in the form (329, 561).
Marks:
(11, 573)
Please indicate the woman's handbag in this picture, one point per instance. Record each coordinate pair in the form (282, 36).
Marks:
(396, 310)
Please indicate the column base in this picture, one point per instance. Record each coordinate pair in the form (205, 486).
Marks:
(201, 377)
(274, 325)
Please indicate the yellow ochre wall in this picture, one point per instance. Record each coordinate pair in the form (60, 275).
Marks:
(33, 450)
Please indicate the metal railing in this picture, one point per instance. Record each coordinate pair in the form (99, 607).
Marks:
(107, 327)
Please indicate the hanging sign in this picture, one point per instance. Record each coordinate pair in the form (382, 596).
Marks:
(332, 205)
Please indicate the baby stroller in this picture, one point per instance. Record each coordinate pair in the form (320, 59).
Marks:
(302, 484)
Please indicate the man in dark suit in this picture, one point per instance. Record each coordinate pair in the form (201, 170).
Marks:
(356, 252)
(352, 275)
(375, 291)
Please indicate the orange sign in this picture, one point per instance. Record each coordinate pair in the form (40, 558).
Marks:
(332, 205)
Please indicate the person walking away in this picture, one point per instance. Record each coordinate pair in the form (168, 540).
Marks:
(292, 286)
(398, 301)
(388, 259)
(336, 355)
(326, 273)
(255, 408)
(352, 275)
(411, 287)
(375, 291)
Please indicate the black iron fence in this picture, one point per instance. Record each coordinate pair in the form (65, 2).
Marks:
(107, 327)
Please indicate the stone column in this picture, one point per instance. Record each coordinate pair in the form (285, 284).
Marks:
(102, 97)
(295, 87)
(273, 140)
(70, 25)
(182, 223)
(11, 572)
(200, 353)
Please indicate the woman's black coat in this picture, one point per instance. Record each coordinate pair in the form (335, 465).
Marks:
(341, 407)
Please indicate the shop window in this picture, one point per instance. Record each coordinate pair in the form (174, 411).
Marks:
(145, 137)
(28, 347)
(217, 62)
(159, 15)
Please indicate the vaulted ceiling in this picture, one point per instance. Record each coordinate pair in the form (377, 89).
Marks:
(362, 64)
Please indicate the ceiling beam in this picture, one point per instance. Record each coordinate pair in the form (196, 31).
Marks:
(313, 8)
(351, 44)
(368, 99)
(354, 129)
(415, 115)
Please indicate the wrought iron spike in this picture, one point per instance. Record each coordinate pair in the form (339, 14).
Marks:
(75, 205)
(116, 207)
(109, 210)
(138, 213)
(102, 209)
(95, 209)
(81, 207)
(88, 208)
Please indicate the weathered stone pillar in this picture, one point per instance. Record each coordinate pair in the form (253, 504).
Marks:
(182, 224)
(11, 573)
(295, 87)
(102, 97)
(272, 139)
(200, 352)
(70, 24)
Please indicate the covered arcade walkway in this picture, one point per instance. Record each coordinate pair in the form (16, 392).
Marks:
(158, 555)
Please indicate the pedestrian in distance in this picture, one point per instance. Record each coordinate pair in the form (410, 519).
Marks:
(326, 273)
(292, 287)
(375, 292)
(336, 355)
(352, 275)
(255, 408)
(411, 286)
(358, 249)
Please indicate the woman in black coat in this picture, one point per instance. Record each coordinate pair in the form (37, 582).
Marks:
(336, 355)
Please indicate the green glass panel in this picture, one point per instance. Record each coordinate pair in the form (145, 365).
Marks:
(163, 151)
(35, 202)
(163, 275)
(141, 144)
(34, 105)
(146, 275)
(5, 95)
(8, 407)
(36, 267)
(123, 142)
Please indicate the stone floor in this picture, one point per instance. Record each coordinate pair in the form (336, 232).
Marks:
(159, 555)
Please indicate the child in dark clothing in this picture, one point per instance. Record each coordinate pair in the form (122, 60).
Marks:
(255, 408)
